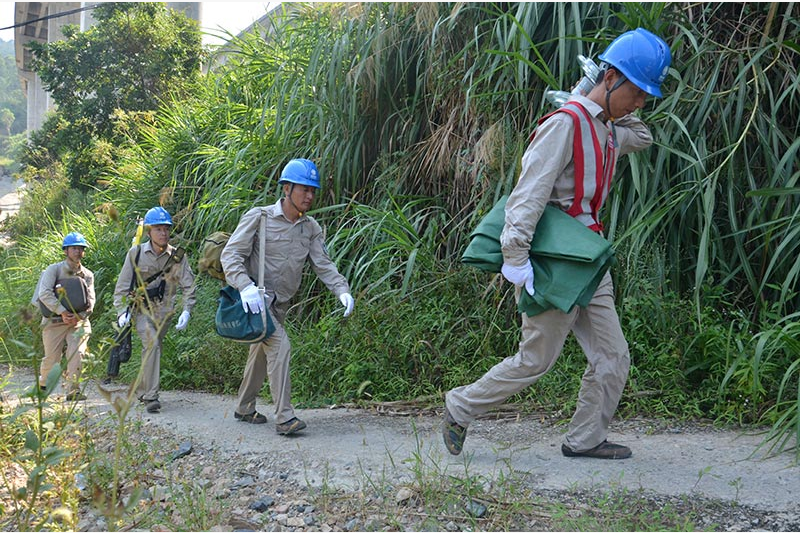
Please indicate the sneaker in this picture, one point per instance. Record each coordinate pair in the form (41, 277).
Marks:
(75, 396)
(454, 434)
(108, 380)
(604, 450)
(253, 418)
(152, 406)
(290, 426)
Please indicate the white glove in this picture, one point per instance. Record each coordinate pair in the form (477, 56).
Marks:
(252, 301)
(520, 275)
(347, 302)
(123, 318)
(182, 320)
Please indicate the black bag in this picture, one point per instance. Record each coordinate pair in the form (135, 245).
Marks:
(156, 294)
(120, 351)
(234, 323)
(72, 293)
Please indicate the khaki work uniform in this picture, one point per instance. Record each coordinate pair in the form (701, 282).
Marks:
(55, 332)
(153, 316)
(548, 176)
(288, 246)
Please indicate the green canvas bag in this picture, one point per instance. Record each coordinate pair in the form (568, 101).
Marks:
(232, 321)
(568, 259)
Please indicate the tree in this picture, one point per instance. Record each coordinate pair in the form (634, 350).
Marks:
(133, 56)
(6, 120)
(132, 59)
(11, 95)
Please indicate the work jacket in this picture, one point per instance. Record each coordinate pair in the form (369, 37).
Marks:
(174, 274)
(549, 171)
(289, 245)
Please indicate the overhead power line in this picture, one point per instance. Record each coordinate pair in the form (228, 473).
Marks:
(48, 17)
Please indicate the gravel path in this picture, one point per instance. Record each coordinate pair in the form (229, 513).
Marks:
(345, 449)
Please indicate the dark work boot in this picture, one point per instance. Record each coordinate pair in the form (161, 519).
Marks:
(604, 450)
(454, 434)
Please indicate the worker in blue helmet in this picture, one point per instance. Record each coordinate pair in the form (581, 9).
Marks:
(293, 239)
(569, 163)
(147, 294)
(65, 296)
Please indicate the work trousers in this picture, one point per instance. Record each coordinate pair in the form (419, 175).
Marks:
(268, 359)
(598, 332)
(151, 326)
(54, 334)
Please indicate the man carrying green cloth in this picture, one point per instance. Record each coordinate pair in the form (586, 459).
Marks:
(569, 164)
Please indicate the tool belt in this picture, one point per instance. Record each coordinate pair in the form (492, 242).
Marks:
(147, 296)
(156, 294)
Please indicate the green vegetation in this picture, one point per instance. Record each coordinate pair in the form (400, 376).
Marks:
(134, 56)
(416, 115)
(13, 108)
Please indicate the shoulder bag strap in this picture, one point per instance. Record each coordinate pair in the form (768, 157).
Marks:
(135, 267)
(262, 236)
(177, 257)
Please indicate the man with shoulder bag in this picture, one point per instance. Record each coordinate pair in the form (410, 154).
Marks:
(155, 270)
(65, 296)
(569, 164)
(292, 239)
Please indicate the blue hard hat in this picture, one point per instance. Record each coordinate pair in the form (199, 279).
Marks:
(642, 56)
(74, 239)
(301, 172)
(156, 216)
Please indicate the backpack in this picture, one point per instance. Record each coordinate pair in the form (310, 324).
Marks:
(209, 256)
(71, 292)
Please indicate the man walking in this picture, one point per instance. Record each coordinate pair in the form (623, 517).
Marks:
(65, 294)
(292, 239)
(151, 275)
(569, 163)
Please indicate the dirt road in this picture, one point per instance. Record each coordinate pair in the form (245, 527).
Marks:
(9, 196)
(341, 446)
(10, 190)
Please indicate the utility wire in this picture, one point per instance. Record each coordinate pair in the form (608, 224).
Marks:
(54, 15)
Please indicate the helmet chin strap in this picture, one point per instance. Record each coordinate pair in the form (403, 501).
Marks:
(289, 197)
(616, 86)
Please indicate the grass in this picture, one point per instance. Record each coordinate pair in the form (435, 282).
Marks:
(41, 441)
(62, 461)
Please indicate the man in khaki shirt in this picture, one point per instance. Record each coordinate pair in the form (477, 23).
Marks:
(155, 270)
(292, 239)
(570, 163)
(69, 320)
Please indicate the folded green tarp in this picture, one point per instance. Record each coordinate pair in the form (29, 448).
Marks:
(569, 259)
